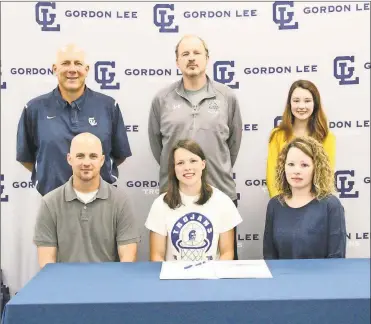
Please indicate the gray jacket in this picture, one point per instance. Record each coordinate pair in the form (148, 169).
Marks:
(215, 124)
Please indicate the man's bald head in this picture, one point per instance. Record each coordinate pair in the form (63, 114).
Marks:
(86, 156)
(85, 140)
(70, 50)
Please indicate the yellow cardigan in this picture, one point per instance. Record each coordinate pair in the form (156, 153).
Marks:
(275, 147)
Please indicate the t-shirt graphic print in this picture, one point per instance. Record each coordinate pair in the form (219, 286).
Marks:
(192, 237)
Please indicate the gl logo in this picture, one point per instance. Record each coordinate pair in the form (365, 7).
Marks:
(277, 121)
(224, 74)
(2, 84)
(343, 71)
(162, 18)
(4, 198)
(344, 185)
(44, 18)
(234, 178)
(282, 16)
(103, 77)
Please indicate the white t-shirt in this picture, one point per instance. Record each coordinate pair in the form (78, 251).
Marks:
(193, 230)
(86, 197)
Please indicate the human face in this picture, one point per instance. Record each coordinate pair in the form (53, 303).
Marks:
(192, 58)
(299, 169)
(302, 104)
(71, 69)
(86, 158)
(188, 168)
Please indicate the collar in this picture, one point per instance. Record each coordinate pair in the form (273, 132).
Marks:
(210, 92)
(70, 194)
(79, 102)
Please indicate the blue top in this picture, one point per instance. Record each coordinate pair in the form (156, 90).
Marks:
(313, 231)
(48, 124)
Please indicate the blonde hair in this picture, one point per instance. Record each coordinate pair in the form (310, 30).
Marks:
(323, 175)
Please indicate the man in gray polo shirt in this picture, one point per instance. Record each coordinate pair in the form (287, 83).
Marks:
(86, 219)
(197, 108)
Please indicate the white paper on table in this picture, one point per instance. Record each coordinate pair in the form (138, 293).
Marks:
(242, 269)
(215, 269)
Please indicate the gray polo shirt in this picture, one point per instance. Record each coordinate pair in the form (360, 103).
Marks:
(86, 232)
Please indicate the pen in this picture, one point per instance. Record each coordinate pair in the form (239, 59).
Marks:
(193, 265)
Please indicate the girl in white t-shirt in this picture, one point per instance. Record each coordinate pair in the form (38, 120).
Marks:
(192, 221)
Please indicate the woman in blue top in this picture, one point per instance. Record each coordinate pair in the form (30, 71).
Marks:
(305, 221)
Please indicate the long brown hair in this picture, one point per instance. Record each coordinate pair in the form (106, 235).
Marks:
(317, 125)
(323, 175)
(172, 197)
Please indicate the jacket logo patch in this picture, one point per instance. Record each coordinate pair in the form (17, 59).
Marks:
(214, 107)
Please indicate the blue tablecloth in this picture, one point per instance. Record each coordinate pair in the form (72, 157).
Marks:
(300, 292)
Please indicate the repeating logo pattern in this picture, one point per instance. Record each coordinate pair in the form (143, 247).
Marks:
(105, 75)
(45, 16)
(344, 184)
(344, 70)
(224, 73)
(283, 15)
(4, 197)
(164, 18)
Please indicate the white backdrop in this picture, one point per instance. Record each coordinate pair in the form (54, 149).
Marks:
(258, 49)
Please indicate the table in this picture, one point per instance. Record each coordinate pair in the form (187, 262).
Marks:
(300, 292)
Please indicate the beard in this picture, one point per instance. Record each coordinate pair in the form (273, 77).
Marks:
(192, 73)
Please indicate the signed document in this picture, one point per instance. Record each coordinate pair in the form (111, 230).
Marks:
(215, 269)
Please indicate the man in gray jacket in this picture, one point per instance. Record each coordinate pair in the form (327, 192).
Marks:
(200, 109)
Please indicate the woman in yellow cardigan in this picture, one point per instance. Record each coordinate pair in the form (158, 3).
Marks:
(303, 115)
